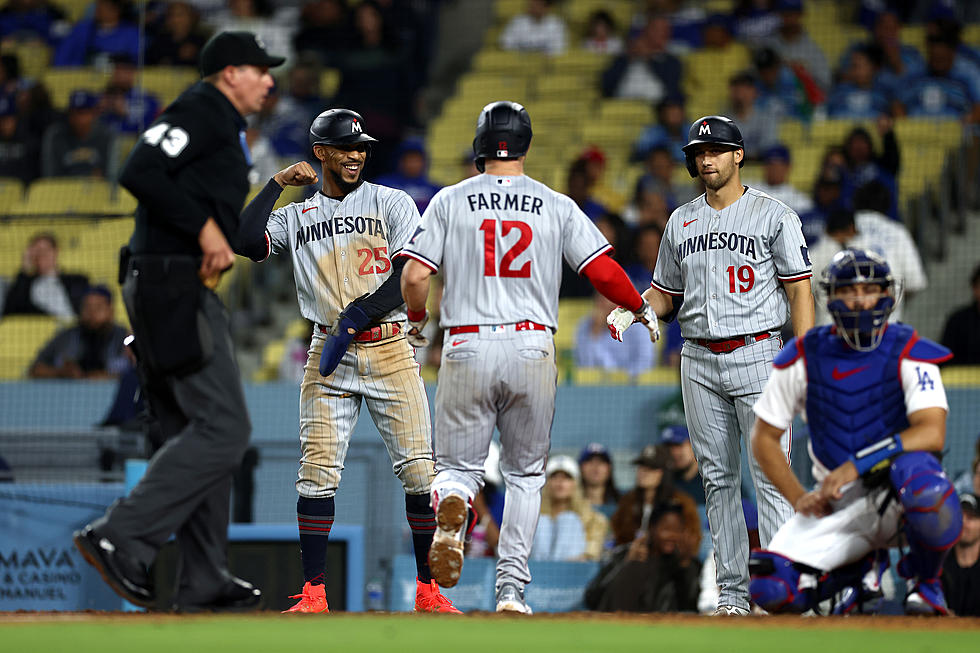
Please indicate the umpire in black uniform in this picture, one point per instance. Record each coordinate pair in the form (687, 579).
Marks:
(189, 172)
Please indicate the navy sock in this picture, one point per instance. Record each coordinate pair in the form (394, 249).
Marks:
(422, 521)
(315, 517)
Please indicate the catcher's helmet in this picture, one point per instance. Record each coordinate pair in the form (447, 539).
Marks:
(339, 127)
(862, 329)
(503, 131)
(712, 129)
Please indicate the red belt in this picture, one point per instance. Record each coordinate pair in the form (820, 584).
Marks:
(373, 334)
(725, 346)
(526, 325)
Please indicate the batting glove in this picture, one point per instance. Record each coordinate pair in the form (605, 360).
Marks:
(621, 319)
(413, 331)
(342, 332)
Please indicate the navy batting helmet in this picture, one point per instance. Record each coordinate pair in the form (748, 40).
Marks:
(503, 131)
(339, 127)
(718, 130)
(861, 328)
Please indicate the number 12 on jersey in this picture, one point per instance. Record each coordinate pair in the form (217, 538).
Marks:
(506, 269)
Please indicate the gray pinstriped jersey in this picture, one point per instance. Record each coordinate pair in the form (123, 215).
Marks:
(499, 241)
(728, 265)
(342, 249)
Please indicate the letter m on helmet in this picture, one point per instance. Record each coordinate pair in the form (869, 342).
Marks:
(705, 129)
(355, 126)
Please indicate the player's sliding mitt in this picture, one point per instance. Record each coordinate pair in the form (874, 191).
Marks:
(413, 331)
(342, 332)
(621, 319)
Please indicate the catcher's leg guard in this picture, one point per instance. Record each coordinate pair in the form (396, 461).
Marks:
(780, 585)
(933, 520)
(857, 587)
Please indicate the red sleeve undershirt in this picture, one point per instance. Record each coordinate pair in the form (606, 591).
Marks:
(609, 279)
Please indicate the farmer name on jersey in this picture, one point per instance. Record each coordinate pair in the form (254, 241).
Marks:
(733, 242)
(339, 225)
(498, 202)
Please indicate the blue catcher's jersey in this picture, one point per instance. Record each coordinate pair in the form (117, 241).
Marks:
(855, 398)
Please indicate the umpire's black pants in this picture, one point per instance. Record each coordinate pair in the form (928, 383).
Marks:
(187, 486)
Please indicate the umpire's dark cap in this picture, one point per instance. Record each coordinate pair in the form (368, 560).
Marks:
(235, 49)
(654, 457)
(594, 450)
(969, 503)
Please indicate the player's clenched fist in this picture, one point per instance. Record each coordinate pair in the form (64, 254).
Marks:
(298, 174)
(621, 319)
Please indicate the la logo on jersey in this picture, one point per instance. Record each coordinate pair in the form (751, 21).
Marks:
(705, 129)
(355, 127)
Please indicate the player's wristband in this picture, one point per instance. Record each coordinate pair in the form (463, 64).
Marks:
(865, 459)
(415, 316)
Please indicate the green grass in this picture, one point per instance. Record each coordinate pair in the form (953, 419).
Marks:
(429, 633)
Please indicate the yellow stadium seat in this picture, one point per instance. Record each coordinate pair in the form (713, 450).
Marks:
(66, 195)
(167, 82)
(11, 193)
(792, 132)
(580, 62)
(660, 376)
(947, 133)
(508, 62)
(835, 38)
(75, 9)
(21, 337)
(599, 376)
(961, 376)
(34, 56)
(60, 82)
(577, 12)
(570, 313)
(504, 10)
(833, 132)
(329, 81)
(914, 35)
(706, 73)
(568, 86)
(971, 34)
(487, 87)
(271, 357)
(636, 113)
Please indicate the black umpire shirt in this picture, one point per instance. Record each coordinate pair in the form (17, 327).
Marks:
(191, 164)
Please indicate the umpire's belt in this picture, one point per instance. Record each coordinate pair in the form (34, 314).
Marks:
(526, 325)
(725, 346)
(381, 331)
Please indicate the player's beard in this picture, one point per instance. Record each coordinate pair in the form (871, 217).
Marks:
(717, 180)
(347, 187)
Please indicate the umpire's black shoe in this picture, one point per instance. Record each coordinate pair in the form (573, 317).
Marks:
(127, 577)
(236, 595)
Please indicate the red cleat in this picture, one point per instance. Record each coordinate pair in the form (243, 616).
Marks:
(313, 599)
(428, 598)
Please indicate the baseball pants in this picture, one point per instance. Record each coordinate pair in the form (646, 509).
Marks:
(506, 379)
(719, 391)
(386, 376)
(187, 485)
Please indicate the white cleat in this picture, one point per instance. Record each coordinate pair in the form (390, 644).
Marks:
(511, 599)
(446, 552)
(730, 611)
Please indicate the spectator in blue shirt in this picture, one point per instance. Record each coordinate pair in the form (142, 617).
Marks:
(411, 173)
(898, 60)
(648, 70)
(594, 347)
(859, 95)
(670, 130)
(780, 92)
(757, 121)
(864, 165)
(826, 199)
(941, 92)
(106, 32)
(124, 107)
(26, 20)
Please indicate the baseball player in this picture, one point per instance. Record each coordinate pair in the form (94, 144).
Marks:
(342, 242)
(874, 400)
(499, 238)
(732, 265)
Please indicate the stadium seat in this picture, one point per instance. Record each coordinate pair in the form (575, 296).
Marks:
(599, 376)
(491, 60)
(66, 195)
(504, 10)
(75, 9)
(167, 82)
(947, 133)
(660, 376)
(565, 86)
(34, 56)
(576, 12)
(60, 82)
(570, 313)
(579, 62)
(11, 193)
(635, 113)
(329, 81)
(21, 337)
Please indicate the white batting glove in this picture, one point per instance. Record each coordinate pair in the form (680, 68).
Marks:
(621, 319)
(413, 332)
(648, 318)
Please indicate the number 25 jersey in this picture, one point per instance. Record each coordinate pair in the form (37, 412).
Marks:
(499, 242)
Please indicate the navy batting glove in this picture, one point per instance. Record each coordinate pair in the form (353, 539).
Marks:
(348, 324)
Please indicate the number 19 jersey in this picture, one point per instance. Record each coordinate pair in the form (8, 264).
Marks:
(499, 241)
